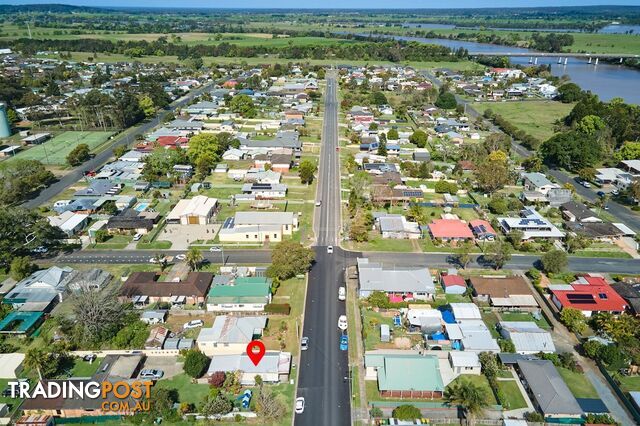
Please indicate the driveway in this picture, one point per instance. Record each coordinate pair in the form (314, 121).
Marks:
(168, 364)
(182, 236)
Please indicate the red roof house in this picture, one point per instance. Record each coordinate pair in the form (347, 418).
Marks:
(453, 284)
(450, 230)
(482, 229)
(590, 294)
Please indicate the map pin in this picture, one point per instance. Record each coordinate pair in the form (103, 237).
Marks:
(255, 351)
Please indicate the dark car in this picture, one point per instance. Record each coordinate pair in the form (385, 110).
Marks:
(601, 194)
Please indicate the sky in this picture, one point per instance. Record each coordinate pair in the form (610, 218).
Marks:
(342, 4)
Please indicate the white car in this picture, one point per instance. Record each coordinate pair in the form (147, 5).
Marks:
(586, 184)
(215, 249)
(318, 203)
(304, 343)
(181, 256)
(342, 322)
(151, 374)
(155, 260)
(137, 237)
(193, 324)
(299, 405)
(342, 293)
(330, 249)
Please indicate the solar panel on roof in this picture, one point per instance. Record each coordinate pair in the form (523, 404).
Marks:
(584, 299)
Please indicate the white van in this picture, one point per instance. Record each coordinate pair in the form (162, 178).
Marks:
(342, 293)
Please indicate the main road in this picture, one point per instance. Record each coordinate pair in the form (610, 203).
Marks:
(102, 157)
(324, 369)
(344, 258)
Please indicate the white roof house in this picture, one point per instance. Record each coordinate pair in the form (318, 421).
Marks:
(464, 361)
(195, 211)
(412, 282)
(11, 365)
(230, 334)
(465, 311)
(273, 368)
(527, 337)
(69, 222)
(531, 223)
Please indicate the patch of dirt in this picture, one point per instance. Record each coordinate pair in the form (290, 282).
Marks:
(402, 342)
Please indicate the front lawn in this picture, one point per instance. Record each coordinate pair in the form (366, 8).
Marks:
(525, 316)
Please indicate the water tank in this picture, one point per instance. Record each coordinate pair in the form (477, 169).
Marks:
(5, 129)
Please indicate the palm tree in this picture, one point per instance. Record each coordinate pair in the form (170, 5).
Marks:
(470, 397)
(35, 358)
(194, 257)
(161, 260)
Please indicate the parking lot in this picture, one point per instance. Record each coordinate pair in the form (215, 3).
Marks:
(183, 235)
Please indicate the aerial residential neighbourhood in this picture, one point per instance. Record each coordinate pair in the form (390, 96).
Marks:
(320, 216)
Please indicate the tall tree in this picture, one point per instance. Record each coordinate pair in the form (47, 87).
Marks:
(194, 258)
(467, 395)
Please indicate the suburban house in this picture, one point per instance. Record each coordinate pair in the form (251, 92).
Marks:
(614, 177)
(11, 365)
(589, 294)
(40, 291)
(199, 210)
(537, 182)
(246, 294)
(230, 335)
(629, 291)
(273, 368)
(70, 223)
(503, 292)
(527, 337)
(130, 221)
(482, 230)
(404, 374)
(463, 362)
(258, 227)
(574, 211)
(450, 230)
(597, 231)
(471, 335)
(547, 390)
(532, 225)
(265, 191)
(452, 283)
(398, 283)
(396, 226)
(192, 290)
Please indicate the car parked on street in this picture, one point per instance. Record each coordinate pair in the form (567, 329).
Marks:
(342, 322)
(304, 343)
(299, 405)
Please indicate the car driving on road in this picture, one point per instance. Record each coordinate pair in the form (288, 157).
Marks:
(330, 249)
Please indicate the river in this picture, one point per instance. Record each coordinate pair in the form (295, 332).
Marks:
(606, 80)
(608, 29)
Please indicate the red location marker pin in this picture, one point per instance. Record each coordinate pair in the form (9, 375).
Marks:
(255, 351)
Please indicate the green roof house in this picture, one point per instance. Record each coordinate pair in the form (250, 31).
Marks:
(404, 375)
(243, 294)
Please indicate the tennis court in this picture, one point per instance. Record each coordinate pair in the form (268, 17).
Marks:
(54, 152)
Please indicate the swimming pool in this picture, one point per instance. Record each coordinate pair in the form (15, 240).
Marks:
(140, 207)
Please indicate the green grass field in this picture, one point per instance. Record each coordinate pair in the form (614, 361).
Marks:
(578, 383)
(512, 394)
(54, 152)
(536, 118)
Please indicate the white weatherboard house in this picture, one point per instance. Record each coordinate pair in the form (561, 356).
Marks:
(273, 368)
(197, 211)
(409, 283)
(230, 335)
(258, 227)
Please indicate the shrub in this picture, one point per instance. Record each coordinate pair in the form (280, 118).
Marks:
(217, 379)
(278, 308)
(406, 412)
(195, 363)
